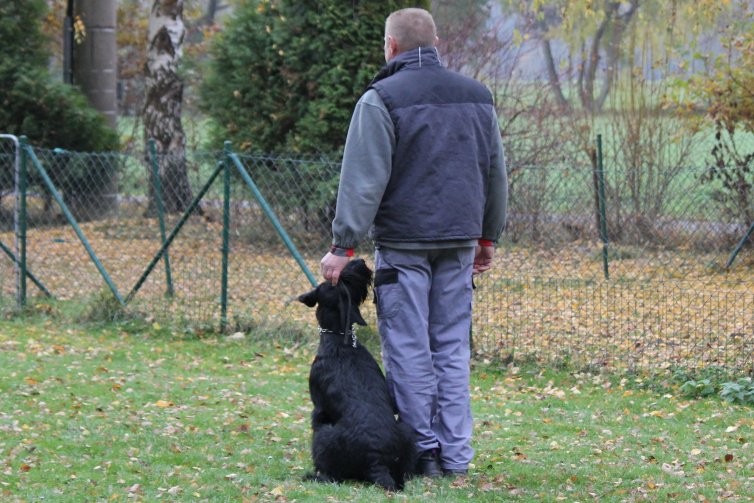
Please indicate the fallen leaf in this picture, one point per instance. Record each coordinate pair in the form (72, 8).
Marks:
(278, 491)
(672, 470)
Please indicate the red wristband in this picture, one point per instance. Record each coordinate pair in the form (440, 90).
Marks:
(486, 242)
(341, 252)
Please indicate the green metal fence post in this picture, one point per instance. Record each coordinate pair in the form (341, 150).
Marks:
(739, 246)
(160, 210)
(226, 237)
(271, 216)
(22, 184)
(602, 205)
(69, 216)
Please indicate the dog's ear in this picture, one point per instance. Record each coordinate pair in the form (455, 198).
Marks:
(356, 316)
(309, 298)
(358, 277)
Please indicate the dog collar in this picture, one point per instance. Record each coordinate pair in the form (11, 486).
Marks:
(346, 334)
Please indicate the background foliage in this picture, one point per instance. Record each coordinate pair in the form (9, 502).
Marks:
(726, 94)
(285, 75)
(34, 103)
(676, 197)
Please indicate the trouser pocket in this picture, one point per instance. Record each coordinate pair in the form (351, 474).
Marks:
(387, 292)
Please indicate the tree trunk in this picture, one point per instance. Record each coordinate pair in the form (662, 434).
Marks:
(163, 103)
(96, 57)
(589, 66)
(212, 8)
(94, 69)
(614, 50)
(553, 77)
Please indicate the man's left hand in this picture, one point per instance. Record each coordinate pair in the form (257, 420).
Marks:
(483, 259)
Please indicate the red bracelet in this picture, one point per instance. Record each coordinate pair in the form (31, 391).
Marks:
(341, 252)
(486, 242)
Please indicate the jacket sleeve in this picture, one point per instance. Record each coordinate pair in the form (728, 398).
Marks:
(496, 204)
(365, 171)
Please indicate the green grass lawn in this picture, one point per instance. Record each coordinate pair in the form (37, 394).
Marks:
(138, 413)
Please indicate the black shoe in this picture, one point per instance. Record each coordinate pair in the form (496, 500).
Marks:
(455, 472)
(428, 465)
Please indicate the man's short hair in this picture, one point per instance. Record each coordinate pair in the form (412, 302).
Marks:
(411, 28)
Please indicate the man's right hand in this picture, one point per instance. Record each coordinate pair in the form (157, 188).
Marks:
(331, 265)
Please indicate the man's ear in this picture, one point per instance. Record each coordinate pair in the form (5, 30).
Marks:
(356, 316)
(309, 298)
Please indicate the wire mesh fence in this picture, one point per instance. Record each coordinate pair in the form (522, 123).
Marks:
(669, 300)
(8, 162)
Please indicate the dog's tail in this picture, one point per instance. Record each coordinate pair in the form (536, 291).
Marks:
(407, 456)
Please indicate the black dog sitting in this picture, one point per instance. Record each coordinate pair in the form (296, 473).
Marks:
(355, 433)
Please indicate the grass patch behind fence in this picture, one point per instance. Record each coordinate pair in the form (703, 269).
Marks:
(140, 412)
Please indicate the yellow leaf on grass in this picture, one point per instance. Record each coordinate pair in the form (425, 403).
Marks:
(163, 403)
(278, 491)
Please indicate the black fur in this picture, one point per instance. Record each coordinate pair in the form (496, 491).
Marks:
(355, 434)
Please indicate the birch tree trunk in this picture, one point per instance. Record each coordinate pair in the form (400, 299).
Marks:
(163, 103)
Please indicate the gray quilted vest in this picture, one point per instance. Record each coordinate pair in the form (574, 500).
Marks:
(443, 128)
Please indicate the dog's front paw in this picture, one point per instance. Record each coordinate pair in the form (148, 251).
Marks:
(321, 477)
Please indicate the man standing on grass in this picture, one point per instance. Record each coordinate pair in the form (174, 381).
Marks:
(423, 166)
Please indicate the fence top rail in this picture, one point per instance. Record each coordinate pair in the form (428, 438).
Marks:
(611, 165)
(9, 137)
(291, 157)
(16, 144)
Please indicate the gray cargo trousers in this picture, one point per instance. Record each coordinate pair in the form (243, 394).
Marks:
(423, 302)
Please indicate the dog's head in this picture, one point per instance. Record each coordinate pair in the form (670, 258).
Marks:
(333, 305)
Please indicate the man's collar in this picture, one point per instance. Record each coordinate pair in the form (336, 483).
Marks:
(415, 58)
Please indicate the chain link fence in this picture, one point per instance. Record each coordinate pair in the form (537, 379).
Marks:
(8, 163)
(669, 299)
